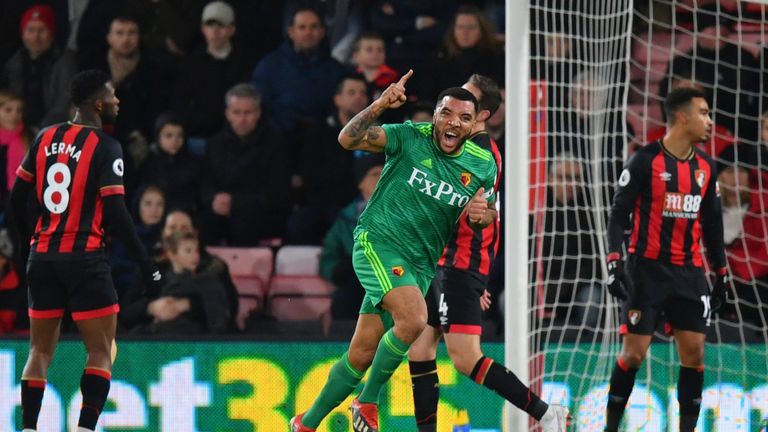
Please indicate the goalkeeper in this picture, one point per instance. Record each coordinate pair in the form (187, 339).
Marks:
(670, 189)
(432, 176)
(455, 300)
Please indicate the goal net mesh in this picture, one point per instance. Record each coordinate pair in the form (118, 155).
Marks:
(599, 71)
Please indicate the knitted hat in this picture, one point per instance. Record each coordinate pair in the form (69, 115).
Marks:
(42, 13)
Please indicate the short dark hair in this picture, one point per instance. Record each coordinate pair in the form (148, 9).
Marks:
(86, 85)
(678, 99)
(353, 77)
(460, 94)
(491, 98)
(125, 18)
(306, 9)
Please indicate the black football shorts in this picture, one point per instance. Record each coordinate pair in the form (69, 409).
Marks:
(453, 301)
(680, 294)
(83, 286)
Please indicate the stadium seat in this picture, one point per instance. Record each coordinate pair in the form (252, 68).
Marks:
(250, 269)
(297, 260)
(247, 262)
(299, 298)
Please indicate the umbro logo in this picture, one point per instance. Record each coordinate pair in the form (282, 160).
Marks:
(665, 176)
(427, 163)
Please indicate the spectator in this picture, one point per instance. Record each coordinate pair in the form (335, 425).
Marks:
(148, 212)
(336, 257)
(746, 237)
(325, 167)
(139, 87)
(39, 71)
(138, 312)
(576, 130)
(188, 303)
(171, 166)
(14, 138)
(412, 29)
(180, 221)
(369, 58)
(728, 72)
(209, 72)
(568, 247)
(245, 194)
(11, 297)
(91, 36)
(168, 27)
(298, 79)
(469, 46)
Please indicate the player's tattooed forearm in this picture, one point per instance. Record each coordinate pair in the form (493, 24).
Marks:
(374, 133)
(357, 129)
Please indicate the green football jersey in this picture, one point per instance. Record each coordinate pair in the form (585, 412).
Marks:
(422, 192)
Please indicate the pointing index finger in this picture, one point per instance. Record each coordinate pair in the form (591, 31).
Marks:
(405, 77)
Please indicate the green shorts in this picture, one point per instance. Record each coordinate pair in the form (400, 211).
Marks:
(380, 269)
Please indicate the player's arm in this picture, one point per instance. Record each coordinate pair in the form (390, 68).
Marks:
(360, 133)
(23, 186)
(118, 220)
(109, 170)
(18, 206)
(633, 178)
(712, 226)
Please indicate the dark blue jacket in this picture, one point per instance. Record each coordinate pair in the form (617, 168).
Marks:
(295, 86)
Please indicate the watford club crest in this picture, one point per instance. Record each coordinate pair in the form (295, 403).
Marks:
(634, 316)
(465, 178)
(398, 271)
(701, 177)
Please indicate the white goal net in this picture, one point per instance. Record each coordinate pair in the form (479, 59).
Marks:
(599, 71)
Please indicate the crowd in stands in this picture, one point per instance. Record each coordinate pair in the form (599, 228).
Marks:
(229, 116)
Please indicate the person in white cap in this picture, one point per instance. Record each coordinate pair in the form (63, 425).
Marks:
(209, 72)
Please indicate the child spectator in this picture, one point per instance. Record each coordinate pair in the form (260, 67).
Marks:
(171, 166)
(370, 57)
(14, 137)
(189, 302)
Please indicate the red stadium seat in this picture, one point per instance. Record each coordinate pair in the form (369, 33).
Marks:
(299, 298)
(250, 269)
(249, 262)
(298, 260)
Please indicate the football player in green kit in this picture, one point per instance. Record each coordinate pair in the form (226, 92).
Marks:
(433, 175)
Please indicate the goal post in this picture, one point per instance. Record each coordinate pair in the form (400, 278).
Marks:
(515, 201)
(599, 71)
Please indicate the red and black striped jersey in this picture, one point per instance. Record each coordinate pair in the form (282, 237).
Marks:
(674, 205)
(469, 248)
(73, 167)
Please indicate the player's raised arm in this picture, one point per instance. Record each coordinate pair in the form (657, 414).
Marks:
(361, 133)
